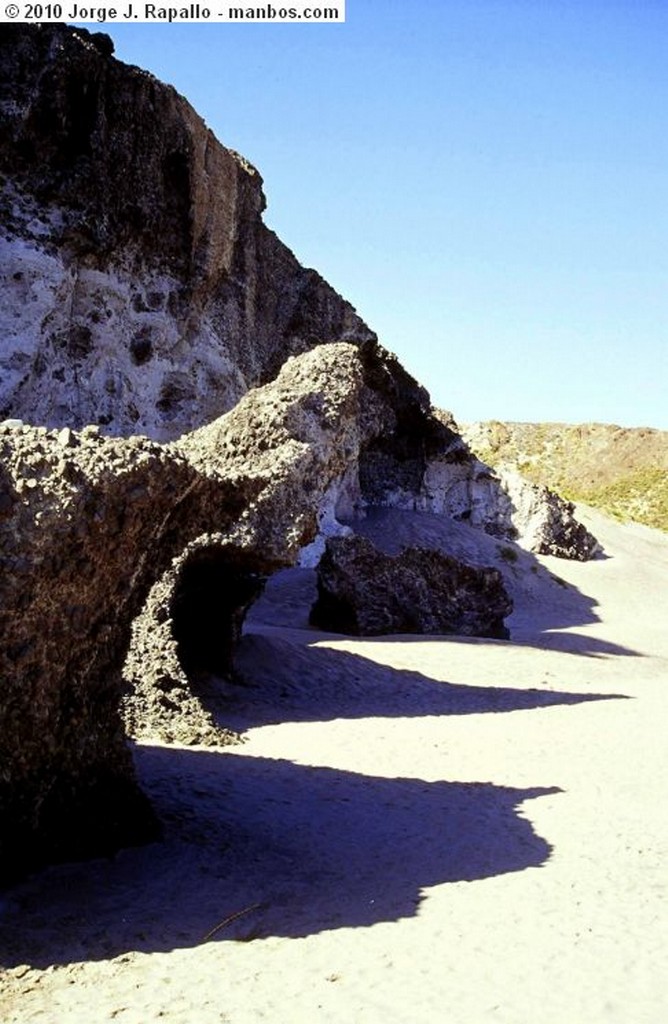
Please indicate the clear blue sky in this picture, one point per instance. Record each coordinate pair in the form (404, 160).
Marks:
(485, 180)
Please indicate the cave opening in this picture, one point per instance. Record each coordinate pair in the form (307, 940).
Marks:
(211, 598)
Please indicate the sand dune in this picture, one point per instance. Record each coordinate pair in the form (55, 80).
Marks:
(415, 829)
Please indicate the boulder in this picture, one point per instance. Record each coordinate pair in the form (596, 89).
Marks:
(363, 591)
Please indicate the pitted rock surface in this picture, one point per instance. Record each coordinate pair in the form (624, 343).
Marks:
(143, 294)
(363, 591)
(141, 289)
(87, 526)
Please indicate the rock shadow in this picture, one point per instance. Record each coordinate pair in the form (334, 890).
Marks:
(287, 679)
(545, 607)
(256, 847)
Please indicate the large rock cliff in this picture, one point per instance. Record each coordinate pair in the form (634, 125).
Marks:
(143, 293)
(141, 289)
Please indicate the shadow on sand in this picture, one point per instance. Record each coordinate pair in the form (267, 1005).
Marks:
(547, 609)
(288, 679)
(256, 848)
(290, 850)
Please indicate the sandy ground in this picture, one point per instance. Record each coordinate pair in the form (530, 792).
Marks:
(415, 830)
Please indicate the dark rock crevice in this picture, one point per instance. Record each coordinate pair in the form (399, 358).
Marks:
(210, 600)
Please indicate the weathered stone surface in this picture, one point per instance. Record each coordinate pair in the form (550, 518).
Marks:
(141, 289)
(88, 527)
(76, 538)
(500, 502)
(424, 464)
(544, 521)
(623, 471)
(305, 429)
(363, 591)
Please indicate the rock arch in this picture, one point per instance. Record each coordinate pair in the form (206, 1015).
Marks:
(87, 526)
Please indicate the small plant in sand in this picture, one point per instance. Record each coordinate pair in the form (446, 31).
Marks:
(508, 553)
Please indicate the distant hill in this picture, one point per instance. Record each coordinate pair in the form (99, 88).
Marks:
(622, 471)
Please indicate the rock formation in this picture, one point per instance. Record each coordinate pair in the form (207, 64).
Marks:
(143, 295)
(622, 471)
(452, 481)
(143, 292)
(89, 524)
(141, 289)
(365, 592)
(504, 504)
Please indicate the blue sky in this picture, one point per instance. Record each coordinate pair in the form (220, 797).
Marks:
(485, 180)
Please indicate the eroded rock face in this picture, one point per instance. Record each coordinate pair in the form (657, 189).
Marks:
(424, 464)
(500, 502)
(88, 525)
(310, 424)
(363, 591)
(77, 535)
(141, 289)
(544, 521)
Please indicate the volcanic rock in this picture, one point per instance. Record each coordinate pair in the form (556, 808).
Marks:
(141, 289)
(503, 504)
(88, 525)
(144, 296)
(363, 591)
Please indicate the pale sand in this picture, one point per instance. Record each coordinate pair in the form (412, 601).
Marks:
(416, 830)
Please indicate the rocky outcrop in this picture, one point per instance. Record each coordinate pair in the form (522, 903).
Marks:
(141, 289)
(505, 505)
(542, 521)
(499, 501)
(427, 466)
(83, 521)
(363, 591)
(311, 423)
(89, 524)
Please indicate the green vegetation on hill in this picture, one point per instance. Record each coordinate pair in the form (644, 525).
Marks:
(641, 496)
(621, 471)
